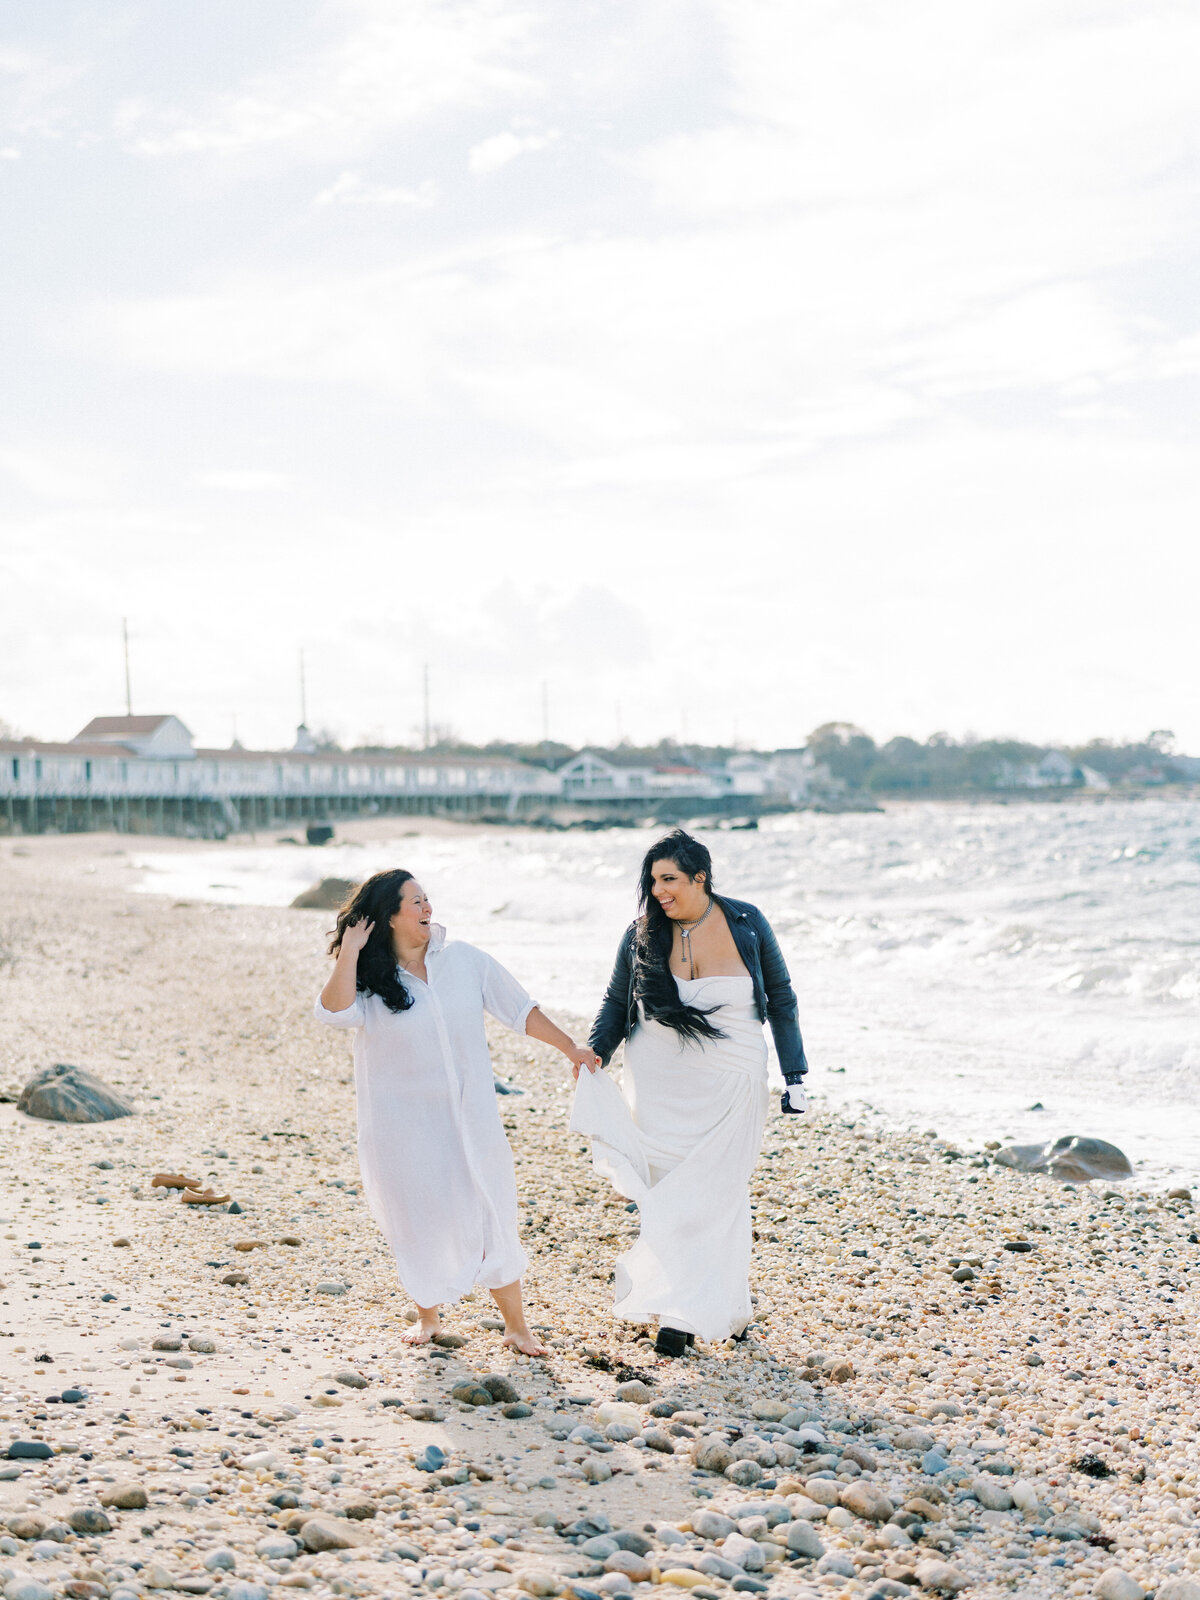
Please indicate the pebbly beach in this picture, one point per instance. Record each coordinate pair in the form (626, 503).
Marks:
(960, 1378)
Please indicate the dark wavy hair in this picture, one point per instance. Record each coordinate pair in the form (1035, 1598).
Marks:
(653, 983)
(377, 900)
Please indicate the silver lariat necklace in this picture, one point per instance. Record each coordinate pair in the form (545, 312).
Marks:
(685, 935)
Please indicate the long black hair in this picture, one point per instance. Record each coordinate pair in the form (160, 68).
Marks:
(377, 900)
(653, 983)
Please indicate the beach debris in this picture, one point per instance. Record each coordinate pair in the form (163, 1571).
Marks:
(203, 1197)
(318, 833)
(1071, 1159)
(64, 1093)
(330, 894)
(174, 1180)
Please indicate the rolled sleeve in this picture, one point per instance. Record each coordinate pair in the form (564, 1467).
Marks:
(503, 996)
(352, 1017)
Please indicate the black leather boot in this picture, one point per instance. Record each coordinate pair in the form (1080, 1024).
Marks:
(672, 1342)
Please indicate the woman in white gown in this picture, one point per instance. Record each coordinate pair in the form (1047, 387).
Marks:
(437, 1170)
(696, 977)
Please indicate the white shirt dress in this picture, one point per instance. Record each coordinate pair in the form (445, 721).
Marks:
(437, 1170)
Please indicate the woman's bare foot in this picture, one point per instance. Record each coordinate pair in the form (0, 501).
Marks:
(423, 1329)
(524, 1342)
(517, 1334)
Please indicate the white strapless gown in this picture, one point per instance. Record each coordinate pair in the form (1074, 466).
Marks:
(681, 1136)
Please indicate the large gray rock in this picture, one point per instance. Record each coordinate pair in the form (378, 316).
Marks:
(1070, 1159)
(330, 894)
(70, 1094)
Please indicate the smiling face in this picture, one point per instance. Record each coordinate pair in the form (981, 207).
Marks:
(410, 925)
(683, 899)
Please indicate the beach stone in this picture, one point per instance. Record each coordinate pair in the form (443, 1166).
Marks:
(450, 1341)
(861, 1458)
(1114, 1584)
(242, 1591)
(600, 1546)
(200, 1344)
(744, 1473)
(276, 1547)
(712, 1524)
(350, 1380)
(539, 1583)
(836, 1562)
(1178, 1589)
(329, 1533)
(630, 1539)
(842, 1371)
(769, 1410)
(360, 1510)
(914, 1439)
(596, 1471)
(234, 1279)
(500, 1388)
(657, 1440)
(743, 1552)
(991, 1496)
(127, 1496)
(933, 1462)
(471, 1394)
(865, 1501)
(801, 1506)
(712, 1454)
(636, 1568)
(1070, 1159)
(73, 1397)
(64, 1093)
(27, 1589)
(635, 1391)
(89, 1519)
(802, 1540)
(1179, 1194)
(29, 1450)
(26, 1525)
(431, 1459)
(824, 1491)
(167, 1341)
(330, 894)
(518, 1412)
(683, 1577)
(327, 1286)
(941, 1575)
(222, 1559)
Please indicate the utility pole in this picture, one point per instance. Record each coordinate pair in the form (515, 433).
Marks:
(545, 712)
(303, 693)
(128, 691)
(425, 681)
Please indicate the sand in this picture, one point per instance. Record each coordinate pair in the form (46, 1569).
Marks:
(1031, 1427)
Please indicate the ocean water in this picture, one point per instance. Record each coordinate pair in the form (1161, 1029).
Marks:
(955, 965)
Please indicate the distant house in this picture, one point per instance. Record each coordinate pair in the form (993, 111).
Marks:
(164, 737)
(749, 775)
(1055, 770)
(793, 773)
(588, 776)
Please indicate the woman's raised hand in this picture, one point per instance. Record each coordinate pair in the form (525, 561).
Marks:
(355, 935)
(583, 1056)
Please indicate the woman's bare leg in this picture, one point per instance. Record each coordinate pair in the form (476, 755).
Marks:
(423, 1329)
(517, 1333)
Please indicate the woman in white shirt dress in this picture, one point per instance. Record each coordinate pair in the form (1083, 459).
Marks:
(437, 1170)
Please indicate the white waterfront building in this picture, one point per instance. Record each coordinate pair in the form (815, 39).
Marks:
(144, 774)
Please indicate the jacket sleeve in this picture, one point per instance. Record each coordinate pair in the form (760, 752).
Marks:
(612, 1020)
(781, 1005)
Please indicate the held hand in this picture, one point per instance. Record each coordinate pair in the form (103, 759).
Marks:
(582, 1055)
(355, 935)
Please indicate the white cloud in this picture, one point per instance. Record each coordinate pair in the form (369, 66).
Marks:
(245, 480)
(390, 66)
(352, 189)
(489, 155)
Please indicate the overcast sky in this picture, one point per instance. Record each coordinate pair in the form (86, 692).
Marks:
(729, 367)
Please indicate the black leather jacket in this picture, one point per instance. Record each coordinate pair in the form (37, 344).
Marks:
(774, 996)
